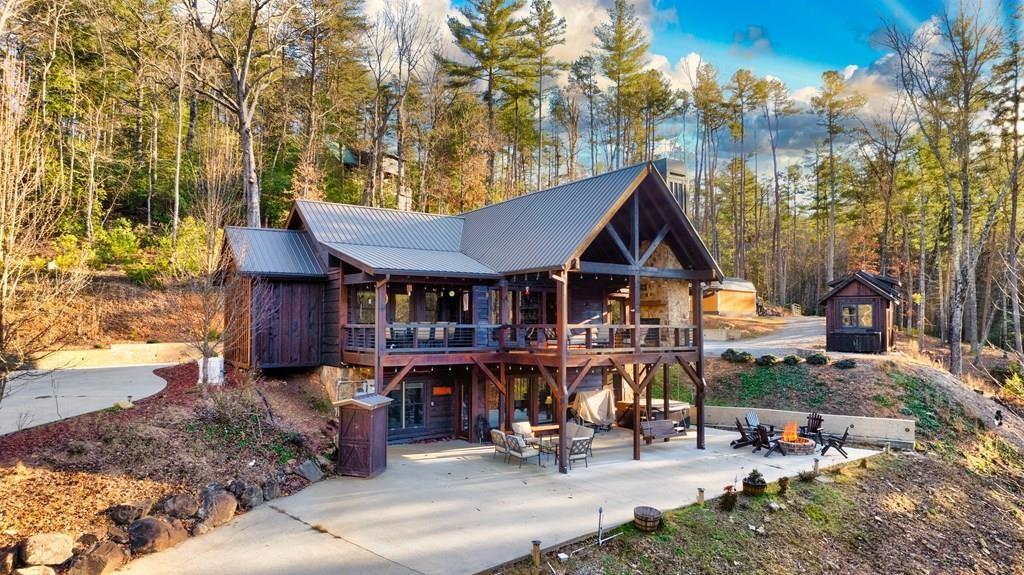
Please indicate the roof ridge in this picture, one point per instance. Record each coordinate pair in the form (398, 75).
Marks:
(559, 186)
(248, 228)
(381, 209)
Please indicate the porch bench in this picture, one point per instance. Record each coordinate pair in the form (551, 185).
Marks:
(660, 429)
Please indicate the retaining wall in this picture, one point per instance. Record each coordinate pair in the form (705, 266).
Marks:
(878, 430)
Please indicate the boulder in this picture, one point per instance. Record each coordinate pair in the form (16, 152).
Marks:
(47, 549)
(35, 570)
(251, 496)
(271, 488)
(200, 528)
(181, 506)
(218, 506)
(103, 559)
(309, 471)
(128, 512)
(6, 562)
(152, 534)
(85, 542)
(117, 535)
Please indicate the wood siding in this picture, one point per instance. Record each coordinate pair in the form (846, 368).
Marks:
(290, 334)
(330, 345)
(878, 339)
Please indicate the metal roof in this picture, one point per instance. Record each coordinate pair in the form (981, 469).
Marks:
(733, 284)
(410, 261)
(270, 252)
(885, 286)
(347, 224)
(542, 230)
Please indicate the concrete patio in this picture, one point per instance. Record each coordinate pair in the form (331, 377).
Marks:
(453, 508)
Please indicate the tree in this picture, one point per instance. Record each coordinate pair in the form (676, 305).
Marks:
(245, 37)
(742, 98)
(623, 47)
(565, 107)
(776, 104)
(833, 105)
(544, 31)
(655, 101)
(490, 36)
(583, 73)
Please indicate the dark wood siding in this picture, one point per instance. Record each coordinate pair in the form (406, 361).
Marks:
(439, 392)
(877, 339)
(289, 333)
(330, 343)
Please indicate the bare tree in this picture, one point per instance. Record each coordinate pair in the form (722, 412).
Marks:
(381, 60)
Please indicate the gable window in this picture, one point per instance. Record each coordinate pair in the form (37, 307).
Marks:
(856, 315)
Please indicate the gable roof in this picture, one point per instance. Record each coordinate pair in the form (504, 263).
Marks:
(732, 284)
(531, 233)
(885, 286)
(273, 253)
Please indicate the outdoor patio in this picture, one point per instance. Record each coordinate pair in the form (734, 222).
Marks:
(453, 507)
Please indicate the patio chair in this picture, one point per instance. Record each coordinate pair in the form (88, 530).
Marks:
(753, 422)
(766, 441)
(580, 449)
(836, 442)
(500, 446)
(746, 437)
(524, 430)
(519, 449)
(575, 431)
(813, 428)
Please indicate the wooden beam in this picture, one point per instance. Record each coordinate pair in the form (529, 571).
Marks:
(619, 367)
(399, 377)
(562, 332)
(357, 278)
(590, 267)
(654, 245)
(649, 374)
(582, 374)
(621, 244)
(489, 375)
(548, 378)
(380, 320)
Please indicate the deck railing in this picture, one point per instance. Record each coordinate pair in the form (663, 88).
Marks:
(583, 338)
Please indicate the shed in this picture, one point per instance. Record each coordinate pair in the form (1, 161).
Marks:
(363, 435)
(859, 313)
(731, 297)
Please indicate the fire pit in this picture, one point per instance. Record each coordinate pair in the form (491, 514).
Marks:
(792, 444)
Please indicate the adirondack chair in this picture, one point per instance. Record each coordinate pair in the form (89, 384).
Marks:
(753, 422)
(746, 437)
(813, 428)
(766, 441)
(836, 442)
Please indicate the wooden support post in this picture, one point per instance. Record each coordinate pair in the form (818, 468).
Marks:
(380, 320)
(698, 320)
(665, 390)
(562, 332)
(649, 395)
(503, 315)
(508, 397)
(634, 297)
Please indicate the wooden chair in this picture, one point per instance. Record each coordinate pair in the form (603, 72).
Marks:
(746, 437)
(500, 445)
(813, 428)
(836, 442)
(660, 429)
(753, 422)
(766, 441)
(519, 449)
(580, 449)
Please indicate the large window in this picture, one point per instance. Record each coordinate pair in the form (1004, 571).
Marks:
(856, 315)
(520, 398)
(364, 306)
(401, 308)
(407, 408)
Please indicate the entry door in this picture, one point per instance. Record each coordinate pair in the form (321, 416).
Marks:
(464, 421)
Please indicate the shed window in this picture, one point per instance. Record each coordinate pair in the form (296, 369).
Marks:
(857, 316)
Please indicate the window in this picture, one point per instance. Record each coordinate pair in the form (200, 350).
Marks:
(520, 399)
(364, 306)
(545, 404)
(401, 308)
(430, 307)
(857, 316)
(406, 409)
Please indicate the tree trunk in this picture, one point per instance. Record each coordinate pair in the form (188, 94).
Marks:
(921, 277)
(250, 181)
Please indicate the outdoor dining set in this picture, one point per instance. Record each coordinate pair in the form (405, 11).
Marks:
(766, 437)
(528, 441)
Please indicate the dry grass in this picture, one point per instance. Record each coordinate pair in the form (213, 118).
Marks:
(747, 326)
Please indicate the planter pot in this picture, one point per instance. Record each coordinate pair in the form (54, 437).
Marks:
(646, 519)
(754, 490)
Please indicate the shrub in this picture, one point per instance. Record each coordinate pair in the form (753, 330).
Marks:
(1013, 386)
(145, 273)
(817, 359)
(806, 476)
(767, 360)
(118, 244)
(783, 485)
(755, 478)
(727, 502)
(847, 363)
(68, 254)
(791, 360)
(729, 354)
(744, 357)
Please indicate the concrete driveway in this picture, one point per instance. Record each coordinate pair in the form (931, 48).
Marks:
(36, 398)
(452, 508)
(799, 333)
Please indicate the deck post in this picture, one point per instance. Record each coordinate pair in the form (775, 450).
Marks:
(634, 296)
(562, 332)
(698, 321)
(507, 403)
(380, 320)
(665, 389)
(503, 310)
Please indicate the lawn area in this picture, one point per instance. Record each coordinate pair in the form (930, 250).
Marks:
(746, 327)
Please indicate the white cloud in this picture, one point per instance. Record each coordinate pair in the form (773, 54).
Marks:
(683, 73)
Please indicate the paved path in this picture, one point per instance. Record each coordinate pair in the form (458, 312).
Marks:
(42, 397)
(799, 333)
(452, 508)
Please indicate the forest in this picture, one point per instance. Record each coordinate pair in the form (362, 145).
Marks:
(134, 130)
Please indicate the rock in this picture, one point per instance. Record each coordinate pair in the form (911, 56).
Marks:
(36, 570)
(271, 488)
(760, 530)
(47, 549)
(181, 506)
(773, 507)
(218, 506)
(117, 535)
(103, 559)
(563, 557)
(128, 512)
(309, 471)
(6, 562)
(200, 528)
(85, 542)
(152, 534)
(323, 462)
(123, 404)
(251, 496)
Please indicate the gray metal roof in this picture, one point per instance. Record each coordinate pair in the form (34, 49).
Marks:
(270, 252)
(543, 229)
(410, 261)
(346, 224)
(733, 284)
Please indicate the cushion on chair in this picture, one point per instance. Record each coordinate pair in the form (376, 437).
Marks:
(498, 439)
(523, 429)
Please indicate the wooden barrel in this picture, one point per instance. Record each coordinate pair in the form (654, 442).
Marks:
(646, 518)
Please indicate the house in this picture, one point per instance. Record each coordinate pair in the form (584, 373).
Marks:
(478, 320)
(731, 297)
(859, 313)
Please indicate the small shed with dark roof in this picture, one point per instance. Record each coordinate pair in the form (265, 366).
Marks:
(860, 313)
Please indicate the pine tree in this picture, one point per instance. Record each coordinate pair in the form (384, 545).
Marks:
(545, 30)
(623, 48)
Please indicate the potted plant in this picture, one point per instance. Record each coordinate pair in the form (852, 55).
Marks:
(754, 484)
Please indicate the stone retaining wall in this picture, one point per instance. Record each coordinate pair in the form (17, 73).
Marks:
(118, 355)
